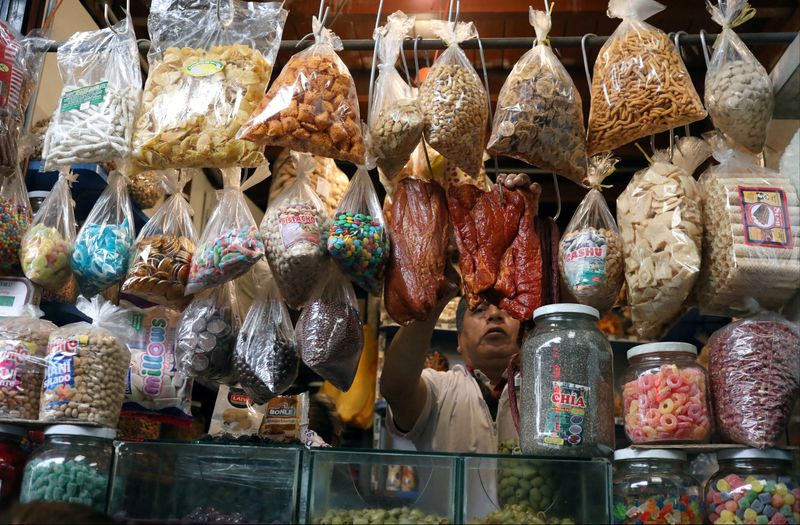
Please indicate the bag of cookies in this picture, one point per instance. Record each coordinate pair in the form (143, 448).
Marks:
(285, 418)
(590, 251)
(739, 95)
(312, 106)
(326, 179)
(47, 246)
(15, 212)
(640, 85)
(159, 269)
(208, 72)
(539, 115)
(456, 104)
(235, 414)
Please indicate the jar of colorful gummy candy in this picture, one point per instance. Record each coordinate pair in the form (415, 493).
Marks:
(12, 462)
(73, 465)
(753, 486)
(651, 487)
(665, 395)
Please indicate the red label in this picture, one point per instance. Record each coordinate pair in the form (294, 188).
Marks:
(765, 216)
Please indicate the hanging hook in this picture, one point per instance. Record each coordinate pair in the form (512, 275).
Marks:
(653, 144)
(586, 59)
(405, 64)
(458, 11)
(489, 102)
(558, 198)
(686, 128)
(705, 46)
(416, 59)
(322, 19)
(109, 24)
(378, 38)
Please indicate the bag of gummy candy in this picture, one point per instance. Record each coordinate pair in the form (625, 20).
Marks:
(15, 216)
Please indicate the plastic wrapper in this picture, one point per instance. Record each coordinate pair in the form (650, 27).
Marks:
(266, 362)
(590, 251)
(146, 188)
(755, 378)
(326, 179)
(164, 248)
(738, 92)
(102, 89)
(539, 116)
(455, 101)
(790, 162)
(15, 216)
(286, 417)
(329, 332)
(358, 240)
(47, 245)
(103, 246)
(86, 367)
(312, 106)
(294, 229)
(206, 76)
(640, 85)
(230, 243)
(235, 414)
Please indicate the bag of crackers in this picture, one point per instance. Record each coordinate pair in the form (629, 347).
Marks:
(640, 85)
(209, 67)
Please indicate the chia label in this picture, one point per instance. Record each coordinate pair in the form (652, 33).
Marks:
(564, 422)
(585, 259)
(13, 357)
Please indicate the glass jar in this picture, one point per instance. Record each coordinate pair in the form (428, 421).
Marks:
(651, 486)
(567, 405)
(73, 465)
(665, 395)
(12, 462)
(753, 486)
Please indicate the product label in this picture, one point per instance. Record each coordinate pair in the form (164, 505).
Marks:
(84, 97)
(60, 372)
(565, 414)
(585, 259)
(765, 215)
(5, 77)
(204, 68)
(10, 78)
(238, 399)
(13, 358)
(299, 228)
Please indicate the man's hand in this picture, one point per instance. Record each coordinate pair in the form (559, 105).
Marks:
(513, 181)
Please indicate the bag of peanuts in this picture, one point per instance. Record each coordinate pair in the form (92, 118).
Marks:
(640, 85)
(539, 116)
(739, 94)
(590, 251)
(326, 179)
(97, 107)
(207, 74)
(47, 245)
(312, 106)
(456, 104)
(395, 119)
(86, 367)
(15, 216)
(159, 269)
(146, 188)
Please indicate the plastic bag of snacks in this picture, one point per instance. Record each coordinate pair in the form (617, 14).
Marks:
(146, 188)
(640, 85)
(312, 106)
(739, 95)
(326, 179)
(755, 378)
(235, 414)
(102, 88)
(539, 116)
(204, 82)
(329, 333)
(590, 251)
(395, 120)
(23, 348)
(294, 230)
(47, 246)
(86, 367)
(661, 223)
(207, 334)
(102, 248)
(455, 101)
(15, 216)
(358, 240)
(230, 243)
(159, 268)
(266, 362)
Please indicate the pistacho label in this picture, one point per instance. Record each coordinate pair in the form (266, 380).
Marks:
(60, 372)
(84, 97)
(765, 217)
(204, 68)
(585, 259)
(299, 228)
(566, 412)
(13, 356)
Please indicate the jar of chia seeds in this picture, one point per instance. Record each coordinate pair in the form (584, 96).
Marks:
(567, 402)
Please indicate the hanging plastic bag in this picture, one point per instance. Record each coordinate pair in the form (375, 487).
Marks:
(539, 116)
(590, 251)
(640, 85)
(164, 248)
(790, 161)
(265, 361)
(358, 240)
(326, 179)
(395, 120)
(455, 101)
(329, 332)
(102, 88)
(15, 216)
(312, 106)
(47, 246)
(102, 248)
(738, 95)
(294, 229)
(209, 67)
(230, 243)
(146, 188)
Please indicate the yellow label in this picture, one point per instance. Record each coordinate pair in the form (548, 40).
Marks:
(204, 68)
(553, 440)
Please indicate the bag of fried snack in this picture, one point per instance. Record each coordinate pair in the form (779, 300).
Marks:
(208, 71)
(640, 85)
(539, 116)
(312, 106)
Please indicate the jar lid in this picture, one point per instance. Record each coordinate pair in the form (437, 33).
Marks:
(566, 308)
(649, 453)
(12, 430)
(652, 348)
(754, 453)
(75, 430)
(38, 193)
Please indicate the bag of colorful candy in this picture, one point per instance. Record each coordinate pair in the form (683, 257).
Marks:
(15, 216)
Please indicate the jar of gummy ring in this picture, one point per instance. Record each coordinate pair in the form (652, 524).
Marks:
(651, 486)
(665, 395)
(753, 486)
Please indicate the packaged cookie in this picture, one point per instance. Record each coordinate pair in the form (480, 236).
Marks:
(326, 179)
(235, 414)
(15, 217)
(284, 418)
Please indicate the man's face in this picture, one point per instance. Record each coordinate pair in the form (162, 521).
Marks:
(488, 338)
